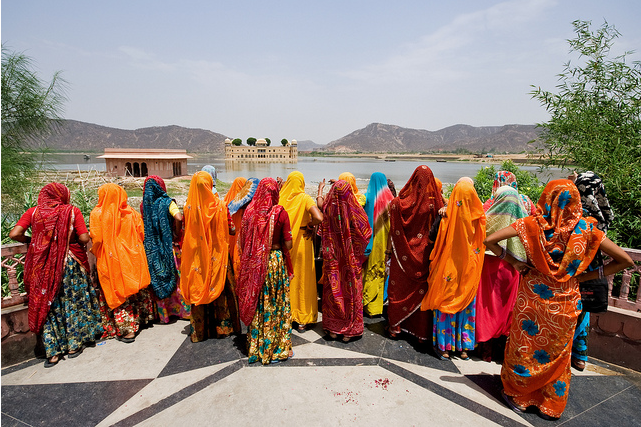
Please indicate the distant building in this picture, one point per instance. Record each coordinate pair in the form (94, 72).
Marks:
(261, 152)
(166, 163)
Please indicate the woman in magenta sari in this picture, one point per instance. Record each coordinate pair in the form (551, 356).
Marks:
(345, 233)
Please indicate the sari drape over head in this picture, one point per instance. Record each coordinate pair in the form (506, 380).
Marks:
(117, 232)
(411, 216)
(594, 200)
(560, 243)
(378, 198)
(345, 232)
(203, 267)
(255, 242)
(502, 178)
(351, 180)
(304, 299)
(158, 236)
(214, 176)
(51, 229)
(457, 257)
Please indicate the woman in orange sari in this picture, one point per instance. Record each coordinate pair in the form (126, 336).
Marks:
(303, 216)
(560, 244)
(351, 180)
(236, 217)
(117, 232)
(203, 268)
(455, 270)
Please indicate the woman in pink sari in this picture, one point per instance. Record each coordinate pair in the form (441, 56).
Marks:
(345, 233)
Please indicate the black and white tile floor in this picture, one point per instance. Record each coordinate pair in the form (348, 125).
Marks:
(164, 380)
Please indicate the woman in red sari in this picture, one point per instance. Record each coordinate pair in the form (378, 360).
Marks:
(345, 232)
(560, 244)
(63, 305)
(411, 216)
(263, 283)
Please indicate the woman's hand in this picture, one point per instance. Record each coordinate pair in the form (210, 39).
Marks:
(443, 211)
(521, 267)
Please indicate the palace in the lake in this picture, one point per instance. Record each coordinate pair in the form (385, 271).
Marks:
(261, 152)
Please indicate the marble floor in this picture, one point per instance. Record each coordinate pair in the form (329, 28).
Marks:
(162, 379)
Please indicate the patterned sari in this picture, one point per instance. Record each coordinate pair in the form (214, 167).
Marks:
(63, 305)
(304, 297)
(411, 216)
(263, 283)
(560, 243)
(161, 246)
(377, 198)
(351, 180)
(455, 269)
(345, 232)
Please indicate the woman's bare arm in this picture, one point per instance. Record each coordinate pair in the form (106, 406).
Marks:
(317, 215)
(492, 243)
(17, 234)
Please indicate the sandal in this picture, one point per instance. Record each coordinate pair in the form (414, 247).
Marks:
(512, 404)
(577, 364)
(464, 355)
(49, 363)
(125, 339)
(346, 339)
(75, 353)
(332, 335)
(391, 335)
(443, 355)
(301, 328)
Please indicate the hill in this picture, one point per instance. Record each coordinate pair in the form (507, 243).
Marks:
(378, 137)
(72, 135)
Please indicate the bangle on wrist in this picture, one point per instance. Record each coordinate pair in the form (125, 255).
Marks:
(503, 253)
(601, 275)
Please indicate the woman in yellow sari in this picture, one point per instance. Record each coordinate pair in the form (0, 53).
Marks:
(303, 216)
(203, 268)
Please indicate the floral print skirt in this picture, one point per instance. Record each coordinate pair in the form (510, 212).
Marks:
(455, 331)
(173, 305)
(269, 335)
(74, 316)
(220, 318)
(137, 310)
(580, 342)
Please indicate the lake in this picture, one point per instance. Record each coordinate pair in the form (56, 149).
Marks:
(314, 168)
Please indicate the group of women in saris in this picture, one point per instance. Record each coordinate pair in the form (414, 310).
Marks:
(459, 271)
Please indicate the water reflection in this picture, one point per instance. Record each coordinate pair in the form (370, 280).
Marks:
(314, 169)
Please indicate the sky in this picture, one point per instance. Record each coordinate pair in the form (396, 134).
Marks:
(306, 70)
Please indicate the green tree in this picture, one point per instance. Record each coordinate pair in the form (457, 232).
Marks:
(251, 141)
(269, 141)
(237, 142)
(284, 142)
(595, 123)
(29, 105)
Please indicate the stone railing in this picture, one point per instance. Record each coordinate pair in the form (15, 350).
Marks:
(622, 300)
(13, 255)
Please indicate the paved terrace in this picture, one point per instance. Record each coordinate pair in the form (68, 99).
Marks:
(162, 379)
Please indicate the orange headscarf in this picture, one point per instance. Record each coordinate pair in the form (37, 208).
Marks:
(117, 233)
(351, 180)
(236, 186)
(457, 257)
(205, 254)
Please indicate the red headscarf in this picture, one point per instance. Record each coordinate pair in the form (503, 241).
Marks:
(45, 262)
(255, 242)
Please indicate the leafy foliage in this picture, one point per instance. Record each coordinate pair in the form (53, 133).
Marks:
(284, 142)
(237, 142)
(595, 123)
(269, 141)
(28, 107)
(527, 182)
(251, 141)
